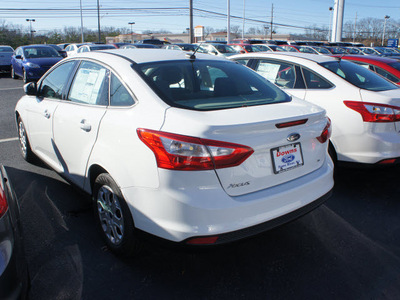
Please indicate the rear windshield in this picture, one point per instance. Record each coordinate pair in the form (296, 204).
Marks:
(359, 76)
(209, 85)
(6, 49)
(395, 65)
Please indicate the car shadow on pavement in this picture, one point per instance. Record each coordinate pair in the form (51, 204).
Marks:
(346, 249)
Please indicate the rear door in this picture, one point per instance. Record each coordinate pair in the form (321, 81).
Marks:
(77, 120)
(285, 75)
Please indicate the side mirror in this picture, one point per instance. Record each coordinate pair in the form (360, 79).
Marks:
(30, 89)
(242, 52)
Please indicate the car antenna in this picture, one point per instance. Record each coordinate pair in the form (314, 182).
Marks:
(193, 55)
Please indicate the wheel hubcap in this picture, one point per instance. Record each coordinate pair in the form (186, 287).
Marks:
(110, 214)
(22, 138)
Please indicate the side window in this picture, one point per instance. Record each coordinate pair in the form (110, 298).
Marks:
(365, 65)
(52, 85)
(243, 61)
(90, 85)
(314, 81)
(280, 73)
(68, 48)
(119, 95)
(386, 74)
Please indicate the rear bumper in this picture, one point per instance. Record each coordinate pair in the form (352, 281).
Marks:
(178, 214)
(370, 147)
(260, 228)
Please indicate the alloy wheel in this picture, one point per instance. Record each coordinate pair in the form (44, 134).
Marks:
(110, 214)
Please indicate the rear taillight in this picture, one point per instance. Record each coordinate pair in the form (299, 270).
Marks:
(326, 133)
(3, 203)
(179, 152)
(375, 112)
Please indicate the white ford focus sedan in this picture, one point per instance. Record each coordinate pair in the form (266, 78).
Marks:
(190, 148)
(363, 106)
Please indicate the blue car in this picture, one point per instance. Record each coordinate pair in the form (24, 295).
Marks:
(31, 62)
(5, 57)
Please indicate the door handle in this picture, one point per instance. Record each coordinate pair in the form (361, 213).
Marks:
(46, 114)
(85, 126)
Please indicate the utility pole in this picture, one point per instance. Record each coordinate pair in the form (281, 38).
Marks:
(98, 20)
(191, 40)
(82, 37)
(228, 29)
(244, 15)
(355, 27)
(272, 19)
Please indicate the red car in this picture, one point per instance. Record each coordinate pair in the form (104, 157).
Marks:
(384, 66)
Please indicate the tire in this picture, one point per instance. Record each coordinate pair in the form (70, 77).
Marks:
(13, 75)
(114, 217)
(25, 76)
(25, 146)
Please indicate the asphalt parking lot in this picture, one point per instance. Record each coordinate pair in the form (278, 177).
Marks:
(349, 248)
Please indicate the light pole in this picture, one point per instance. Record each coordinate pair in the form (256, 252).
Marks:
(330, 23)
(384, 29)
(131, 23)
(30, 27)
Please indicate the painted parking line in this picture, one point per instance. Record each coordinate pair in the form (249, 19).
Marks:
(9, 89)
(9, 140)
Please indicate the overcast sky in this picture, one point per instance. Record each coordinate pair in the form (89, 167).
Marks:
(172, 15)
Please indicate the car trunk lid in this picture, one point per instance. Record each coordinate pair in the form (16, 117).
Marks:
(280, 154)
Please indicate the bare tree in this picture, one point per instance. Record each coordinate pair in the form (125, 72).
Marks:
(314, 32)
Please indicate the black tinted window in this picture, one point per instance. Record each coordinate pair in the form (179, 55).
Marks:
(53, 84)
(209, 85)
(119, 95)
(314, 81)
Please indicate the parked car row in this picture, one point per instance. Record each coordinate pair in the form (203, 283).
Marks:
(363, 106)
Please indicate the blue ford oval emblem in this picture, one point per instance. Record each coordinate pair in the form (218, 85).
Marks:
(287, 159)
(293, 137)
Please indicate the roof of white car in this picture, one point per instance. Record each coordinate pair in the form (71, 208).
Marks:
(285, 55)
(148, 55)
